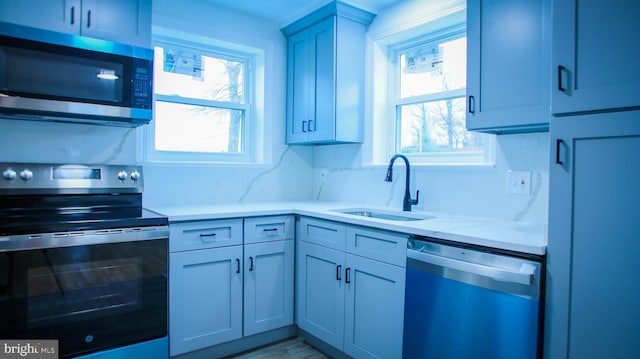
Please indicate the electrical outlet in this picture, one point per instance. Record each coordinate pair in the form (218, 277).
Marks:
(519, 182)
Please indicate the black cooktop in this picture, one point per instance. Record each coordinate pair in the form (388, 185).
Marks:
(31, 214)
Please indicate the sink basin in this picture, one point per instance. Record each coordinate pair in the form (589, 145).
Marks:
(381, 214)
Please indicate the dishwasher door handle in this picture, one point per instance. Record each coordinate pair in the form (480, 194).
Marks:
(524, 276)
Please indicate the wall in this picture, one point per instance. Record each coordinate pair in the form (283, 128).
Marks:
(286, 172)
(289, 173)
(464, 190)
(27, 141)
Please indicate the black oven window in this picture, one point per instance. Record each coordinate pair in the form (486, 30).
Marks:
(83, 289)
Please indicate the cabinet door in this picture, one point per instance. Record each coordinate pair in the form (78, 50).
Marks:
(268, 286)
(592, 256)
(374, 308)
(320, 292)
(595, 52)
(124, 21)
(311, 84)
(205, 293)
(55, 15)
(300, 86)
(508, 65)
(323, 42)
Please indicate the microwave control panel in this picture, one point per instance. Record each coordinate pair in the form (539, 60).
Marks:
(141, 84)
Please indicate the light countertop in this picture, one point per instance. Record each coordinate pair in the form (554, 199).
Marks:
(522, 237)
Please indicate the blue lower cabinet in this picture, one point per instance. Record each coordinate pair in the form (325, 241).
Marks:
(351, 302)
(374, 309)
(205, 298)
(268, 286)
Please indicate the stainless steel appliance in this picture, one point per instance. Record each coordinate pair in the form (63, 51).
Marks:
(471, 302)
(81, 261)
(53, 76)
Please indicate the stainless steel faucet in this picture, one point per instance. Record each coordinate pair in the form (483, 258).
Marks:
(407, 202)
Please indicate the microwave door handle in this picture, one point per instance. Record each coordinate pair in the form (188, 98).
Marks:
(524, 276)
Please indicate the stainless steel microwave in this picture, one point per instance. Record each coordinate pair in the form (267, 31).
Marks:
(52, 76)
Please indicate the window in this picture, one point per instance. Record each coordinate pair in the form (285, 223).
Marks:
(202, 105)
(428, 79)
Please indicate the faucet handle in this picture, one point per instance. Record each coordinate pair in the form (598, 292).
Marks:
(415, 201)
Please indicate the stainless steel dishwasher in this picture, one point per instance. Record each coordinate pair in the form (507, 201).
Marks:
(471, 302)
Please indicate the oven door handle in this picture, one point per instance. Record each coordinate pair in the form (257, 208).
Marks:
(525, 275)
(81, 238)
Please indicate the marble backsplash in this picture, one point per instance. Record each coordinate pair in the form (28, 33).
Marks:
(465, 190)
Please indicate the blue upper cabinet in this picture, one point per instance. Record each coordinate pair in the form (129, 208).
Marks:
(124, 21)
(325, 75)
(508, 65)
(595, 56)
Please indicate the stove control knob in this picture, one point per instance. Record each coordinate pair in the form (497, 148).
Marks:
(135, 176)
(122, 175)
(26, 174)
(9, 174)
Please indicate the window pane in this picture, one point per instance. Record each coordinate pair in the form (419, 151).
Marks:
(190, 128)
(190, 74)
(437, 126)
(433, 68)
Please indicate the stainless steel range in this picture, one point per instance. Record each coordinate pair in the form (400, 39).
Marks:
(81, 261)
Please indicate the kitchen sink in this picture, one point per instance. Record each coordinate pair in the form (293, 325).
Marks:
(381, 214)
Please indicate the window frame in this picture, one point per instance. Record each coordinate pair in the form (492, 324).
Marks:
(249, 145)
(394, 102)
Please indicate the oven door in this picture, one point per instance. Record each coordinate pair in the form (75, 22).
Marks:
(91, 297)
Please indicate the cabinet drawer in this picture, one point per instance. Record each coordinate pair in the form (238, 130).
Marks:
(265, 229)
(376, 244)
(325, 233)
(186, 236)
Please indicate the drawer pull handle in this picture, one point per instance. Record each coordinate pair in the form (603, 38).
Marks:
(270, 229)
(338, 270)
(205, 237)
(346, 275)
(238, 264)
(250, 264)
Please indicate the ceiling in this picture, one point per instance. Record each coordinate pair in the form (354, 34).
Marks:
(286, 11)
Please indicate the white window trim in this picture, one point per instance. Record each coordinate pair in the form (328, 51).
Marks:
(381, 131)
(253, 144)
